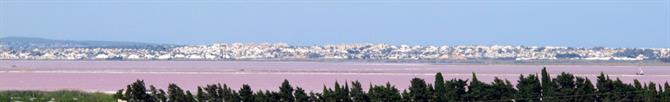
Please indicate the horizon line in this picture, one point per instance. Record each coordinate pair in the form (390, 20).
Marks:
(323, 44)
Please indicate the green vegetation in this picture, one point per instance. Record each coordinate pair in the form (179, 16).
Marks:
(565, 87)
(54, 96)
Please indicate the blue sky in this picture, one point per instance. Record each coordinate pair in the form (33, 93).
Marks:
(578, 23)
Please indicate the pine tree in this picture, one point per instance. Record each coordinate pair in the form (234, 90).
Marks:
(456, 90)
(650, 94)
(228, 93)
(346, 92)
(274, 96)
(637, 95)
(176, 94)
(549, 88)
(236, 97)
(137, 92)
(201, 95)
(341, 93)
(246, 94)
(213, 93)
(387, 93)
(406, 96)
(189, 97)
(314, 97)
(156, 95)
(477, 90)
(665, 95)
(440, 88)
(584, 90)
(128, 93)
(622, 91)
(529, 89)
(357, 93)
(260, 96)
(605, 88)
(501, 90)
(300, 95)
(418, 90)
(328, 95)
(637, 84)
(163, 95)
(286, 92)
(430, 92)
(566, 87)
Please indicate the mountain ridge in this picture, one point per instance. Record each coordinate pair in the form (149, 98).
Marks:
(16, 42)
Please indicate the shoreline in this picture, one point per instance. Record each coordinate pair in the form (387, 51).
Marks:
(421, 62)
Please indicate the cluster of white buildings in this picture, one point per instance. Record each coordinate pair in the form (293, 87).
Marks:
(234, 51)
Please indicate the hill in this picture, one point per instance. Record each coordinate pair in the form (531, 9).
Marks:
(21, 43)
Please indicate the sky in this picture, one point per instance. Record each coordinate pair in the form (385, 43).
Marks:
(575, 23)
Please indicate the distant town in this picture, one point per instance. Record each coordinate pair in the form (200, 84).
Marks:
(259, 51)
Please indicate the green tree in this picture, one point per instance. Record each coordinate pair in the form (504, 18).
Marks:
(637, 86)
(477, 90)
(286, 92)
(260, 96)
(566, 87)
(328, 95)
(585, 90)
(549, 88)
(137, 92)
(430, 92)
(440, 93)
(529, 89)
(623, 91)
(406, 96)
(357, 93)
(341, 93)
(314, 97)
(456, 90)
(300, 95)
(386, 93)
(213, 93)
(418, 90)
(274, 96)
(176, 94)
(201, 95)
(157, 95)
(650, 93)
(665, 95)
(228, 94)
(605, 88)
(501, 90)
(189, 97)
(246, 94)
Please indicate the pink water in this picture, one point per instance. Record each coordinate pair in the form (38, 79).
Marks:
(113, 75)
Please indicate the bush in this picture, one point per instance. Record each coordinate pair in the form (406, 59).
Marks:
(55, 96)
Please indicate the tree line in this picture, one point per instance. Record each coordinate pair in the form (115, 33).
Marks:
(565, 87)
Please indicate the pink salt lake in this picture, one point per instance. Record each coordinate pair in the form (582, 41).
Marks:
(108, 76)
